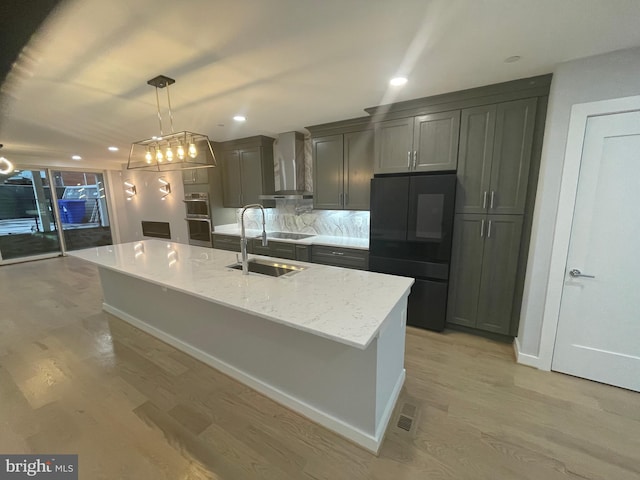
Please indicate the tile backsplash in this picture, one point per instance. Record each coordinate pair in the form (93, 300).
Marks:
(298, 216)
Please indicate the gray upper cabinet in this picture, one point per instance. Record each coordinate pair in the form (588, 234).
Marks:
(494, 157)
(342, 165)
(195, 176)
(231, 190)
(426, 143)
(477, 128)
(247, 170)
(358, 169)
(328, 172)
(435, 141)
(483, 271)
(515, 122)
(394, 146)
(251, 175)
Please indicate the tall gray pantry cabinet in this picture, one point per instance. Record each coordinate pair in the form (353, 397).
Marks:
(493, 173)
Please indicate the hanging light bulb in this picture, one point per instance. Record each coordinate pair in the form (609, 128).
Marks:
(159, 155)
(148, 156)
(180, 151)
(193, 153)
(169, 154)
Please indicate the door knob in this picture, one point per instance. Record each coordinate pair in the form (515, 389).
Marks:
(575, 273)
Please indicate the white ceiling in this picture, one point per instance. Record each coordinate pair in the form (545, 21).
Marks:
(80, 84)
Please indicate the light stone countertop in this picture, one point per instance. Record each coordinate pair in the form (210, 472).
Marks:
(327, 240)
(344, 305)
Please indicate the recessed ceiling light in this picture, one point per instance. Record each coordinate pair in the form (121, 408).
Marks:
(512, 59)
(398, 81)
(76, 157)
(113, 149)
(240, 118)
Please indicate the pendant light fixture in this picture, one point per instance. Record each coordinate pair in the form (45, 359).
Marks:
(170, 151)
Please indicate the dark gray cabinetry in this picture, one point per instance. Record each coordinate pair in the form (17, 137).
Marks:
(328, 172)
(340, 257)
(303, 253)
(273, 249)
(484, 264)
(195, 176)
(247, 170)
(342, 165)
(494, 157)
(425, 143)
(226, 242)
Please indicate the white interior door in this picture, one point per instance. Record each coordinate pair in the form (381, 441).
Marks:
(598, 333)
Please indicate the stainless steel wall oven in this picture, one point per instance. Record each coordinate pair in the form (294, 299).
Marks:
(198, 217)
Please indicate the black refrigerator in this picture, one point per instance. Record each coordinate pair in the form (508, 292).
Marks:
(410, 235)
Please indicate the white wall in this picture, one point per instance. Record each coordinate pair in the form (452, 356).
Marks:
(147, 204)
(602, 77)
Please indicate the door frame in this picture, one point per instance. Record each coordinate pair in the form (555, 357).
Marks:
(580, 113)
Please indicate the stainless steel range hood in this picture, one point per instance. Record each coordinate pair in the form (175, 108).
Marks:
(288, 160)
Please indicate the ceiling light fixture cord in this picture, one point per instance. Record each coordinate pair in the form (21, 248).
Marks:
(169, 104)
(158, 107)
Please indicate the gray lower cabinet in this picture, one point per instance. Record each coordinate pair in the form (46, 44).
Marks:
(342, 170)
(425, 143)
(303, 253)
(494, 157)
(195, 176)
(226, 242)
(247, 170)
(340, 257)
(484, 264)
(273, 249)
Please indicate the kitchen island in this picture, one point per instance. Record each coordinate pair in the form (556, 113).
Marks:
(326, 342)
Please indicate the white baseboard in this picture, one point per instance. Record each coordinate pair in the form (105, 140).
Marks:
(365, 440)
(524, 358)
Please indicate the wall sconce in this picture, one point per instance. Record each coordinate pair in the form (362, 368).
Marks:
(165, 187)
(130, 189)
(6, 167)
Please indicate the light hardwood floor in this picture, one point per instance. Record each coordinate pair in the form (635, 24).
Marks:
(74, 379)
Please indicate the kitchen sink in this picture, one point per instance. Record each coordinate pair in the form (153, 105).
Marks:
(274, 269)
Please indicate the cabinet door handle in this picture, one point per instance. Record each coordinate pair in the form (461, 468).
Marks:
(482, 228)
(493, 194)
(346, 199)
(489, 230)
(484, 199)
(340, 196)
(415, 158)
(337, 253)
(409, 160)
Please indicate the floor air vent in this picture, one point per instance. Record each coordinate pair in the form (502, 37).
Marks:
(408, 416)
(405, 422)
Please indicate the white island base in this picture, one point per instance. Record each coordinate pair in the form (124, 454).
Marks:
(351, 390)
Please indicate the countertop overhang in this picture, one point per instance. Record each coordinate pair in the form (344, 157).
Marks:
(344, 305)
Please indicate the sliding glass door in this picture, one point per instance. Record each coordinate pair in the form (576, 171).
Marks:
(44, 213)
(27, 216)
(82, 206)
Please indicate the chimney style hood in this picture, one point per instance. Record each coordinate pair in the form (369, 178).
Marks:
(288, 161)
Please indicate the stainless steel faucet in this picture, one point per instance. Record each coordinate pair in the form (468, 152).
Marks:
(243, 237)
